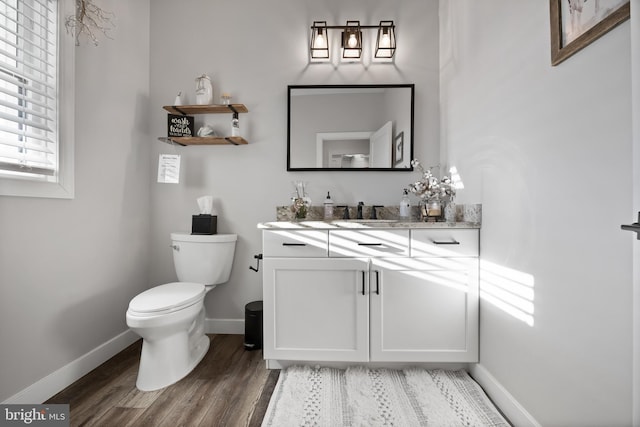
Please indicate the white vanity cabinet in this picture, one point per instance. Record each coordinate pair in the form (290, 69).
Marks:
(424, 308)
(314, 307)
(358, 295)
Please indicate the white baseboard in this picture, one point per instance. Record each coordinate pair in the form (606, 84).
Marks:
(68, 374)
(509, 406)
(224, 326)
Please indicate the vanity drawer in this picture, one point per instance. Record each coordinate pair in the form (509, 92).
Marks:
(369, 243)
(295, 243)
(445, 243)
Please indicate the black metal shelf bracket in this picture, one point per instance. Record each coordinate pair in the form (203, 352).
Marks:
(635, 227)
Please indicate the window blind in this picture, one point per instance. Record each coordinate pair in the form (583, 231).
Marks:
(28, 89)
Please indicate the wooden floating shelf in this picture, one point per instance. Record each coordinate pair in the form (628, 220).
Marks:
(204, 140)
(206, 109)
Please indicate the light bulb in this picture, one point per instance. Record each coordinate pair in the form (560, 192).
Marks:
(385, 42)
(353, 41)
(320, 42)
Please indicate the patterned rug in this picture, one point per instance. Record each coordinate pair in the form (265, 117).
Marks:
(306, 396)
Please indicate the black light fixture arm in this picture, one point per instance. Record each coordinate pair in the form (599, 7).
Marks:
(344, 27)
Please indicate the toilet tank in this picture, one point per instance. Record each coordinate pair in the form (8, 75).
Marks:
(205, 259)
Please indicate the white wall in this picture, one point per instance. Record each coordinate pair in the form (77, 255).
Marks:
(254, 49)
(546, 150)
(88, 256)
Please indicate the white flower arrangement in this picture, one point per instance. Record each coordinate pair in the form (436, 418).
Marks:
(431, 188)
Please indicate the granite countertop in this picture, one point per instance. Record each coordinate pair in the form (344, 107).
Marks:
(467, 216)
(360, 224)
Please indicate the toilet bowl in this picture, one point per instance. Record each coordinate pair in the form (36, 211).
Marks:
(170, 317)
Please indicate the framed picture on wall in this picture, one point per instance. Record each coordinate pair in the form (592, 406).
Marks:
(397, 153)
(577, 23)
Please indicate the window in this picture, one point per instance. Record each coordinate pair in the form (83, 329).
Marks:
(36, 96)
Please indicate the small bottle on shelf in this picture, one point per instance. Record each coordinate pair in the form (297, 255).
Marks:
(235, 125)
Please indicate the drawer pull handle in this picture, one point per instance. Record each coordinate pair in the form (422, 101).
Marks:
(362, 282)
(369, 244)
(453, 242)
(294, 244)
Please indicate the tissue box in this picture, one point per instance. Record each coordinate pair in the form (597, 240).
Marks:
(178, 125)
(204, 224)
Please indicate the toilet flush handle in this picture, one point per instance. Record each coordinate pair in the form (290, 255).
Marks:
(175, 247)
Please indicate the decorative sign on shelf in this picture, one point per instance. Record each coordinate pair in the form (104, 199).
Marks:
(179, 125)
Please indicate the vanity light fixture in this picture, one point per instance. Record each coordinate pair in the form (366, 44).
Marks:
(386, 40)
(351, 39)
(319, 41)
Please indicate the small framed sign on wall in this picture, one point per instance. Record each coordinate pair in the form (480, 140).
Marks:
(178, 125)
(577, 23)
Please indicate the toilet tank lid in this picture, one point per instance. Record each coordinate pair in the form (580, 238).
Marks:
(204, 238)
(170, 296)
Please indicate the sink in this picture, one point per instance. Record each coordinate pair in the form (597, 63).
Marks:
(372, 221)
(364, 222)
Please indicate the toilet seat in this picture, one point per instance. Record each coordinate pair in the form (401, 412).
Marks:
(166, 298)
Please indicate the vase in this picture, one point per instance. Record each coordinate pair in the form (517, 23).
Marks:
(450, 212)
(299, 207)
(431, 210)
(300, 201)
(204, 90)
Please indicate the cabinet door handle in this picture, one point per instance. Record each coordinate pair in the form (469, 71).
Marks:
(362, 282)
(377, 282)
(369, 244)
(453, 242)
(294, 244)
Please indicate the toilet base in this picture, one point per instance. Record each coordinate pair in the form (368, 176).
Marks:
(161, 365)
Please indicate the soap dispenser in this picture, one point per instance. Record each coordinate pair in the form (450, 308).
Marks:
(405, 206)
(328, 207)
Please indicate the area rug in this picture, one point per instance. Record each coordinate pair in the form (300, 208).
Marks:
(358, 396)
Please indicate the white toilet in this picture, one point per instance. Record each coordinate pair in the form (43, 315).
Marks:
(170, 317)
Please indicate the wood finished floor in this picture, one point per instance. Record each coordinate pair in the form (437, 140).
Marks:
(230, 387)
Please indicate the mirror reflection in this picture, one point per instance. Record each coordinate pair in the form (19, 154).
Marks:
(350, 127)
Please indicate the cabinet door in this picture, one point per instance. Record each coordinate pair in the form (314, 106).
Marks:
(424, 309)
(316, 309)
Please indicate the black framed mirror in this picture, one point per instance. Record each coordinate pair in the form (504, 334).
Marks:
(350, 127)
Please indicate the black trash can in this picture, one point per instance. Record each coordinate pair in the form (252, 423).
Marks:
(253, 325)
